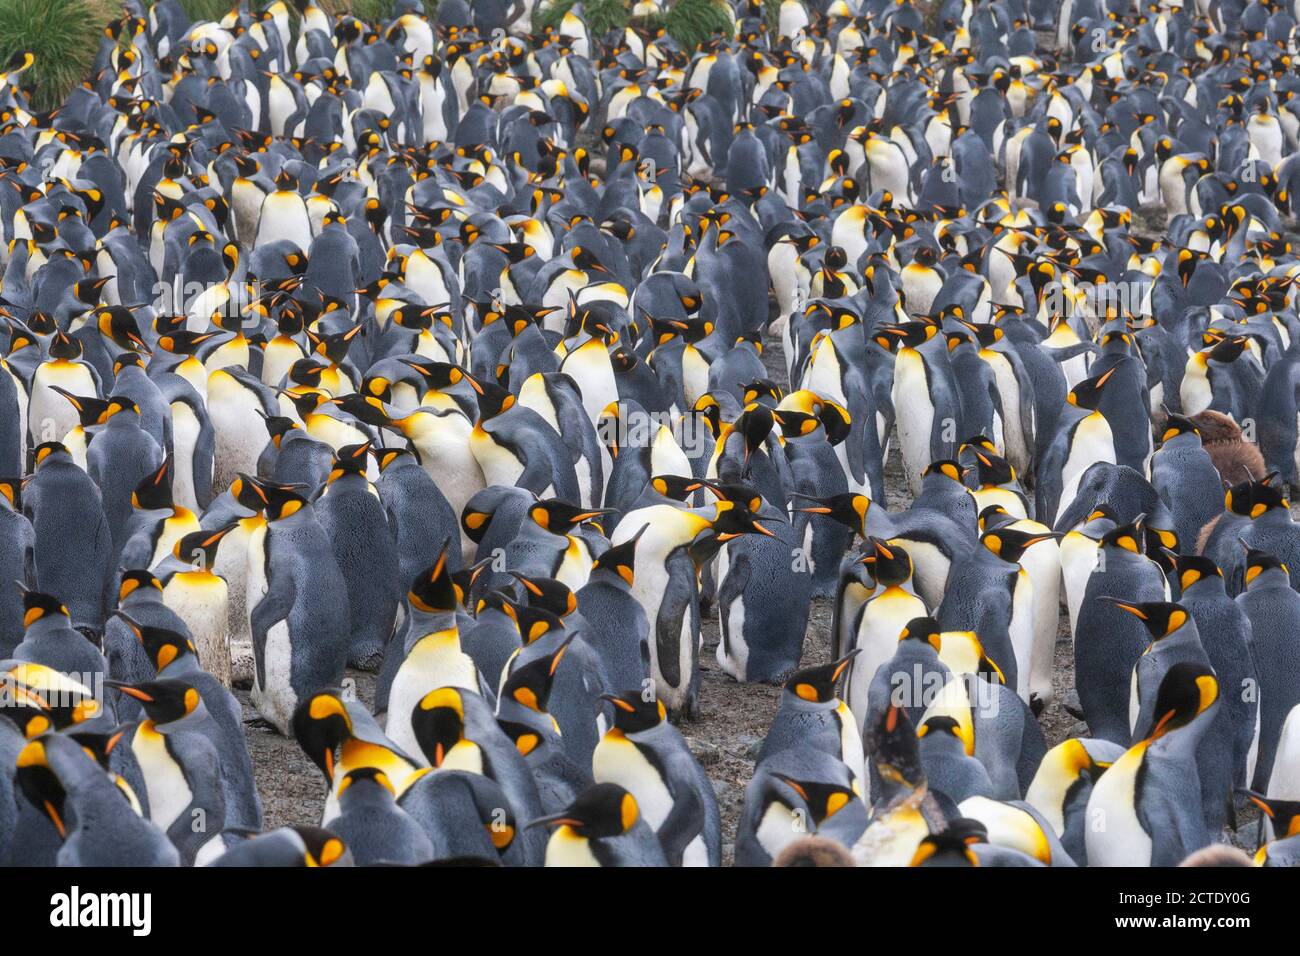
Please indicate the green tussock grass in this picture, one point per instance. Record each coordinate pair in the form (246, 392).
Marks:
(372, 11)
(601, 15)
(692, 22)
(204, 10)
(62, 35)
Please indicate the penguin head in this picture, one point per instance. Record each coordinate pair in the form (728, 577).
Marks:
(547, 593)
(1161, 618)
(440, 375)
(529, 685)
(634, 713)
(992, 470)
(117, 324)
(91, 410)
(1087, 393)
(439, 723)
(892, 565)
(762, 391)
(560, 517)
(620, 559)
(161, 644)
(433, 590)
(277, 426)
(1186, 691)
(349, 460)
(994, 516)
(199, 548)
(37, 699)
(321, 724)
(127, 360)
(848, 509)
(164, 701)
(952, 847)
(371, 779)
(947, 468)
(1010, 544)
(601, 811)
(676, 487)
(11, 493)
(38, 606)
(64, 347)
(942, 724)
(282, 504)
(390, 455)
(48, 452)
(40, 784)
(923, 629)
(754, 425)
(1176, 425)
(1128, 537)
(134, 580)
(493, 400)
(731, 520)
(1255, 498)
(1261, 566)
(320, 847)
(1195, 568)
(249, 492)
(909, 335)
(817, 684)
(533, 622)
(183, 341)
(1284, 815)
(823, 799)
(154, 491)
(121, 405)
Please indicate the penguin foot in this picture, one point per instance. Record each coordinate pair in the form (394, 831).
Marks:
(367, 662)
(1071, 704)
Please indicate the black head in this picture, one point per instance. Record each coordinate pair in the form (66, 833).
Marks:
(1193, 568)
(530, 684)
(1186, 691)
(433, 590)
(321, 724)
(1010, 544)
(601, 811)
(154, 492)
(621, 558)
(438, 722)
(163, 700)
(817, 684)
(1161, 618)
(548, 594)
(633, 712)
(1087, 394)
(199, 548)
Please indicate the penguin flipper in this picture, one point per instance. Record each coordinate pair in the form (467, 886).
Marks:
(205, 817)
(274, 607)
(1170, 821)
(537, 476)
(685, 821)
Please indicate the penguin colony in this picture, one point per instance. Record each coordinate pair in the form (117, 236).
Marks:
(435, 347)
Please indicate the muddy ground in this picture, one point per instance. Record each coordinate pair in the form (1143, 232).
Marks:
(725, 737)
